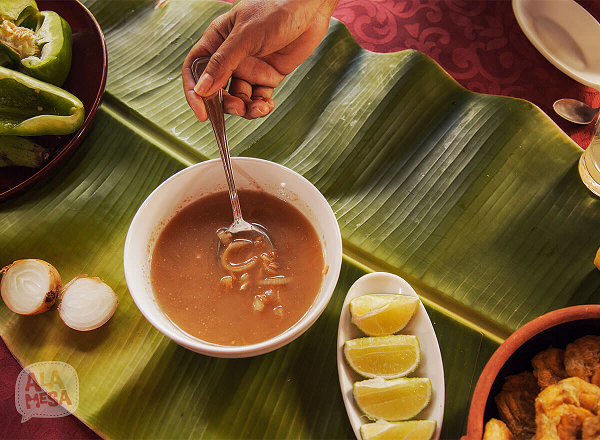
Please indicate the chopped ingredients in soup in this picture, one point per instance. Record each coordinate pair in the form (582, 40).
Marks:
(253, 291)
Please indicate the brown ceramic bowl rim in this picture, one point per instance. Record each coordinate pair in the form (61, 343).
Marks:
(507, 348)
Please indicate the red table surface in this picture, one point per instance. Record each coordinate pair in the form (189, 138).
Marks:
(479, 43)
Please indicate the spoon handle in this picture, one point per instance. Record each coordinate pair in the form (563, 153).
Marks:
(216, 115)
(214, 109)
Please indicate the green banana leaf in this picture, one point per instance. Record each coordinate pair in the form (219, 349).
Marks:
(473, 199)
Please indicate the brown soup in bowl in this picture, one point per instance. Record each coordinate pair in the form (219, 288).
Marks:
(212, 302)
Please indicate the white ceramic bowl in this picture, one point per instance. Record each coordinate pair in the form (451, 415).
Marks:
(204, 178)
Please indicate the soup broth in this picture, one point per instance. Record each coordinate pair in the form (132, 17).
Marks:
(211, 303)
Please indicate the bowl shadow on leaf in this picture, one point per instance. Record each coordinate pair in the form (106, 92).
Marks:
(222, 398)
(226, 394)
(324, 408)
(216, 385)
(587, 291)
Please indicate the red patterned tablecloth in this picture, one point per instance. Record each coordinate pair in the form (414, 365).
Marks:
(478, 42)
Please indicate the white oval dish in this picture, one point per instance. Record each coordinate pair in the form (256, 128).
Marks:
(431, 365)
(565, 33)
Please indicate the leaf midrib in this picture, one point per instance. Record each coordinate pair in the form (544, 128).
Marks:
(166, 142)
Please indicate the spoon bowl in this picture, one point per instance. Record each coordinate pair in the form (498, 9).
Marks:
(575, 111)
(216, 115)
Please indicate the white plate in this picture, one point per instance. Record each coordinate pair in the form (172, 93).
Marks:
(565, 33)
(420, 325)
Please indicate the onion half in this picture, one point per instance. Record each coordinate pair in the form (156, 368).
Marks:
(29, 286)
(87, 303)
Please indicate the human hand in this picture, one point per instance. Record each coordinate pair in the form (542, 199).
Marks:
(257, 43)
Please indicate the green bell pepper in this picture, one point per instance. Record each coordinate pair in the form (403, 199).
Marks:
(30, 107)
(54, 37)
(44, 53)
(5, 59)
(20, 12)
(16, 151)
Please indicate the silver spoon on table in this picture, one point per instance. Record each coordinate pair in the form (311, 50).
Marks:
(214, 109)
(575, 111)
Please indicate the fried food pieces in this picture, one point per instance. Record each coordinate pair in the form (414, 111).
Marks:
(591, 428)
(563, 408)
(549, 366)
(559, 400)
(497, 430)
(582, 359)
(516, 404)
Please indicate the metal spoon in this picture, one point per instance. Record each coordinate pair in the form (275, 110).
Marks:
(214, 109)
(575, 111)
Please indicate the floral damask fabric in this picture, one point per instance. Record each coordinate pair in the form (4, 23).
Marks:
(479, 43)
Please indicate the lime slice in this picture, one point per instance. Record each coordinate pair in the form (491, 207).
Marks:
(411, 430)
(383, 356)
(380, 314)
(392, 400)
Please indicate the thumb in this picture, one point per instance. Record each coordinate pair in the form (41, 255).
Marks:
(221, 65)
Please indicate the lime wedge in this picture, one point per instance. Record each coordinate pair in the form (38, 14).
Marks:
(411, 430)
(392, 400)
(383, 356)
(380, 314)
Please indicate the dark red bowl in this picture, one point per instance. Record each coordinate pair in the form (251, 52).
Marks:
(556, 329)
(86, 80)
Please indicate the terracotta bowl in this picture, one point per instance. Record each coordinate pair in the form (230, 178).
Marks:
(556, 329)
(86, 80)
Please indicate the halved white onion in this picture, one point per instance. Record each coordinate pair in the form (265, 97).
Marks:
(29, 286)
(87, 303)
